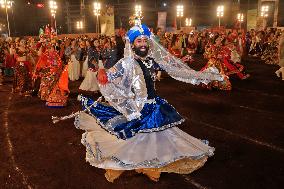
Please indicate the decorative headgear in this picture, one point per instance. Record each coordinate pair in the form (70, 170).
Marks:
(137, 31)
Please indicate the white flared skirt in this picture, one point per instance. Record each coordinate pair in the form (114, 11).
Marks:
(143, 151)
(90, 82)
(85, 67)
(73, 68)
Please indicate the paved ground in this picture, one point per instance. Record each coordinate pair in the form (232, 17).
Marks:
(246, 127)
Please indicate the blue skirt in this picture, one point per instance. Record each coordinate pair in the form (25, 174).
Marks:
(156, 116)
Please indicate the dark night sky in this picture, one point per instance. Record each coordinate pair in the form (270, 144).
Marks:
(26, 19)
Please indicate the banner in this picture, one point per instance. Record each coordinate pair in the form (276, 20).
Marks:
(162, 20)
(107, 21)
(251, 19)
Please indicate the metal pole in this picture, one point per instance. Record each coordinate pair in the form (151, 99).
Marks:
(219, 22)
(97, 24)
(51, 21)
(13, 17)
(8, 24)
(55, 25)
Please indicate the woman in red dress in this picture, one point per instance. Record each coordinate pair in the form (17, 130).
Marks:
(54, 78)
(216, 54)
(22, 71)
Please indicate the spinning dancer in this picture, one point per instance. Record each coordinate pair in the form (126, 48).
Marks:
(136, 130)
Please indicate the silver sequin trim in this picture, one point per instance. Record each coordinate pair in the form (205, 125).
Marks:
(97, 157)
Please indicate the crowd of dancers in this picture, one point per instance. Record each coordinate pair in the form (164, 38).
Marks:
(130, 127)
(45, 64)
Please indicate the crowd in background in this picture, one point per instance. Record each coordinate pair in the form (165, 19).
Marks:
(45, 64)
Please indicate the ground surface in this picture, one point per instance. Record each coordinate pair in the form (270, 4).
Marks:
(245, 125)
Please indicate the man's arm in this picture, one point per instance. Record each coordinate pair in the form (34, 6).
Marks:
(105, 76)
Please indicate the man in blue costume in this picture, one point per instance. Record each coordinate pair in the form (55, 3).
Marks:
(136, 129)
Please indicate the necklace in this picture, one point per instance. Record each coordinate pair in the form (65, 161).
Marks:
(147, 63)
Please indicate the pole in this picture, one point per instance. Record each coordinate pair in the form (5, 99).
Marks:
(8, 24)
(97, 24)
(51, 21)
(219, 22)
(13, 17)
(55, 27)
